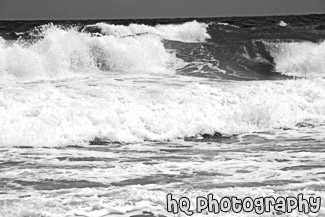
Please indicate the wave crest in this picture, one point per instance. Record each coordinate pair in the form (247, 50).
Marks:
(186, 32)
(67, 52)
(301, 59)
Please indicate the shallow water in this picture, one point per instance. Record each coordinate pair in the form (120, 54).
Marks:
(63, 180)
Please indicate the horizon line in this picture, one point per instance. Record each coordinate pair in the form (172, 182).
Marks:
(157, 18)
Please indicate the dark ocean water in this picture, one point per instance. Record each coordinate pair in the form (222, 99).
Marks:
(105, 117)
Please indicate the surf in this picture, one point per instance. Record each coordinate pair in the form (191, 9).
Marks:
(137, 82)
(122, 109)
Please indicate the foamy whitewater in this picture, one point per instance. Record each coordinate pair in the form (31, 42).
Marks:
(106, 118)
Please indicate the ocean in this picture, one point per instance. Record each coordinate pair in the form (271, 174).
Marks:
(107, 117)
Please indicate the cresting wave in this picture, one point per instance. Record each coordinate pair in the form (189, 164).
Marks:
(186, 32)
(301, 59)
(67, 52)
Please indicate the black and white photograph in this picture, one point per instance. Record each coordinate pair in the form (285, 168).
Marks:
(162, 108)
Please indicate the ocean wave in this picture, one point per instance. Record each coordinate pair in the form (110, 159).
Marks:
(74, 112)
(301, 59)
(227, 24)
(55, 52)
(186, 32)
(67, 52)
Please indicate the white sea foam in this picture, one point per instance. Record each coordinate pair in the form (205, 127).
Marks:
(62, 53)
(68, 113)
(302, 59)
(186, 32)
(243, 169)
(227, 24)
(282, 23)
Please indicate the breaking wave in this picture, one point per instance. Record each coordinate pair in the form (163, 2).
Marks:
(77, 112)
(186, 32)
(137, 48)
(61, 53)
(301, 59)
